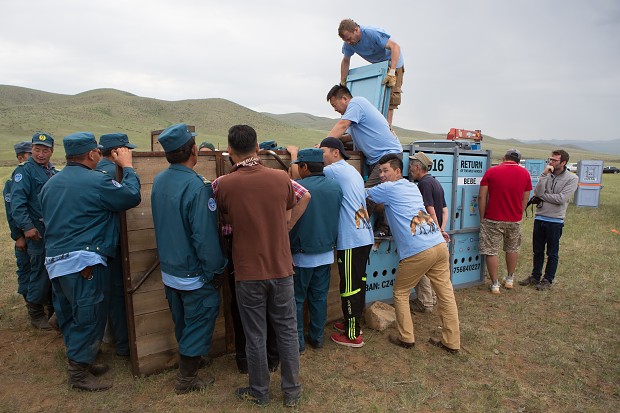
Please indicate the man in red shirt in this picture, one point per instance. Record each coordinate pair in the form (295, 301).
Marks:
(504, 191)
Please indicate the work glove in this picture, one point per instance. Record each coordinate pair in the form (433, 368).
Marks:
(343, 83)
(390, 78)
(217, 280)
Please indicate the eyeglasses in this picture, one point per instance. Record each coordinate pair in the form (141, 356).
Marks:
(553, 160)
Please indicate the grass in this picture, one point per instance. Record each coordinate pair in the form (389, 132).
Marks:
(523, 351)
(24, 111)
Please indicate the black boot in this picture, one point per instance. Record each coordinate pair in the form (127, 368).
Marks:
(187, 377)
(37, 316)
(81, 378)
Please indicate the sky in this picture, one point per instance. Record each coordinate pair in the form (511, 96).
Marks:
(522, 69)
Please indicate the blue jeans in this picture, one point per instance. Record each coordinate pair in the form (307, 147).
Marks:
(312, 283)
(274, 298)
(546, 234)
(80, 306)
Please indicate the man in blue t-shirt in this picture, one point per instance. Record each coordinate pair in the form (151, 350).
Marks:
(354, 241)
(374, 45)
(370, 133)
(421, 249)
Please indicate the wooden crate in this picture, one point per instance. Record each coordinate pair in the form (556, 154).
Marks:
(153, 346)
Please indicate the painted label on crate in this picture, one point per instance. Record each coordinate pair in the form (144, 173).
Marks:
(465, 268)
(378, 285)
(471, 166)
(470, 180)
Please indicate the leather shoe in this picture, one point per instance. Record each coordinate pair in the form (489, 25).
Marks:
(399, 342)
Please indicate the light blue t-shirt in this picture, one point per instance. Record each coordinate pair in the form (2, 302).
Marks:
(181, 283)
(370, 131)
(354, 228)
(403, 202)
(304, 260)
(371, 46)
(72, 262)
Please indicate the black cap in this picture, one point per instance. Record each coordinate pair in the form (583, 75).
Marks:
(335, 143)
(513, 154)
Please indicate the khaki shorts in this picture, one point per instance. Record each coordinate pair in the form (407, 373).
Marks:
(395, 95)
(493, 232)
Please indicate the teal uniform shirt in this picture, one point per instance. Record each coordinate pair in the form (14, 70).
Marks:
(16, 232)
(28, 180)
(185, 218)
(80, 205)
(107, 166)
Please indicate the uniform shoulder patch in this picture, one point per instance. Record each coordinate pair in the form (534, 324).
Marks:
(116, 184)
(212, 205)
(18, 177)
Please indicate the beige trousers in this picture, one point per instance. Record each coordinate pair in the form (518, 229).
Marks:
(435, 263)
(424, 293)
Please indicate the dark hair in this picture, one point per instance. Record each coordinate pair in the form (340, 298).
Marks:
(182, 154)
(242, 139)
(563, 154)
(108, 152)
(313, 167)
(512, 157)
(77, 158)
(393, 160)
(338, 91)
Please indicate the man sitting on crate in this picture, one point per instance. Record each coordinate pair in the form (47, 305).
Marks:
(421, 249)
(192, 262)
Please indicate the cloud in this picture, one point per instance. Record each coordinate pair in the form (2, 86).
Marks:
(517, 69)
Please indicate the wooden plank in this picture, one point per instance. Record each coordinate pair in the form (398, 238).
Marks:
(153, 282)
(149, 302)
(156, 343)
(140, 217)
(155, 363)
(140, 261)
(140, 240)
(154, 323)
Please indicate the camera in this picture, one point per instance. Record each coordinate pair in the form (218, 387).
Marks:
(534, 201)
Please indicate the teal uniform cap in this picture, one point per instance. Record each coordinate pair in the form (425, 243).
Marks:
(114, 140)
(175, 136)
(42, 138)
(79, 143)
(22, 147)
(309, 155)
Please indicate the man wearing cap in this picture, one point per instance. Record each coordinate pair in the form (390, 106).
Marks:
(435, 204)
(421, 249)
(22, 151)
(554, 189)
(313, 239)
(374, 45)
(370, 133)
(117, 316)
(262, 205)
(190, 255)
(79, 208)
(28, 179)
(355, 239)
(504, 191)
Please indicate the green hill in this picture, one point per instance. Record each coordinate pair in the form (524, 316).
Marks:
(24, 111)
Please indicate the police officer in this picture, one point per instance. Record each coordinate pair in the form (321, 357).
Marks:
(117, 318)
(28, 179)
(191, 259)
(79, 207)
(22, 151)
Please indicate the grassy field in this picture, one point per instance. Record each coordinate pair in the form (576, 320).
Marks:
(523, 351)
(24, 111)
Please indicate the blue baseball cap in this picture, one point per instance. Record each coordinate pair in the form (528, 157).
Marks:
(175, 136)
(22, 147)
(79, 143)
(114, 140)
(309, 155)
(42, 138)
